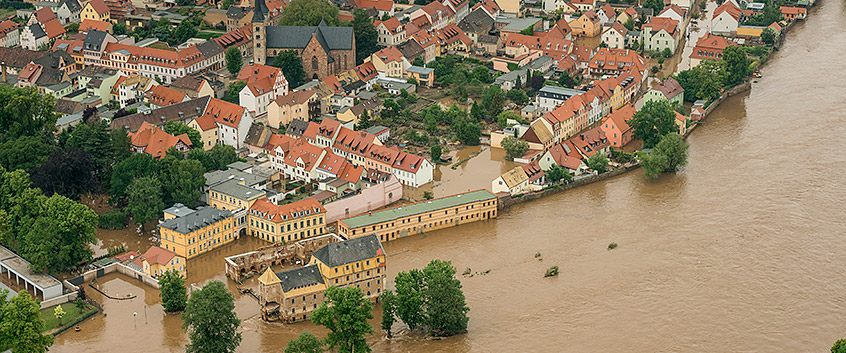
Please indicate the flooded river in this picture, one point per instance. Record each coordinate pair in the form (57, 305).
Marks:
(740, 252)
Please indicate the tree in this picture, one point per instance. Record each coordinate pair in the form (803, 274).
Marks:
(345, 313)
(839, 346)
(137, 165)
(598, 162)
(493, 98)
(25, 153)
(428, 195)
(555, 174)
(120, 145)
(468, 132)
(537, 82)
(232, 94)
(59, 313)
(22, 324)
(74, 27)
(183, 182)
(668, 156)
(655, 5)
(173, 292)
(366, 37)
(517, 96)
(177, 128)
(654, 120)
(389, 310)
(409, 298)
(482, 74)
(514, 148)
(477, 113)
(736, 65)
(435, 152)
(186, 31)
(210, 320)
(60, 235)
(565, 80)
(119, 28)
(363, 121)
(699, 83)
(446, 309)
(768, 36)
(234, 60)
(629, 24)
(25, 112)
(144, 199)
(309, 13)
(94, 138)
(68, 171)
(305, 343)
(292, 67)
(502, 118)
(667, 53)
(222, 156)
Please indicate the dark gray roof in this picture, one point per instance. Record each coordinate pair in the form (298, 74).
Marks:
(195, 220)
(300, 277)
(348, 251)
(260, 11)
(210, 48)
(297, 127)
(257, 136)
(330, 38)
(73, 5)
(169, 113)
(93, 70)
(36, 30)
(237, 12)
(94, 40)
(410, 49)
(477, 21)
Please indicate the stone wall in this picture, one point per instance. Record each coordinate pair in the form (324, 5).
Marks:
(505, 202)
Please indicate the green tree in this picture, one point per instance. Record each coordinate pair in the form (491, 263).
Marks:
(137, 165)
(185, 31)
(668, 156)
(654, 120)
(736, 65)
(598, 162)
(363, 121)
(435, 152)
(517, 96)
(630, 23)
(25, 112)
(839, 346)
(565, 80)
(73, 27)
(94, 138)
(528, 31)
(177, 128)
(502, 118)
(22, 324)
(233, 92)
(183, 182)
(69, 172)
(514, 148)
(655, 5)
(768, 36)
(446, 309)
(409, 302)
(60, 236)
(699, 83)
(309, 13)
(389, 311)
(305, 343)
(482, 74)
(222, 156)
(173, 293)
(468, 132)
(144, 196)
(555, 174)
(667, 52)
(25, 153)
(120, 145)
(428, 195)
(477, 113)
(366, 37)
(292, 66)
(211, 321)
(345, 313)
(234, 60)
(493, 98)
(59, 313)
(119, 28)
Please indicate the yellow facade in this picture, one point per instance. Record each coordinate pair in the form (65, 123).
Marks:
(225, 201)
(205, 237)
(177, 263)
(88, 13)
(366, 274)
(288, 230)
(209, 137)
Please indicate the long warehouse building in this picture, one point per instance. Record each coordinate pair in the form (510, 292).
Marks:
(423, 216)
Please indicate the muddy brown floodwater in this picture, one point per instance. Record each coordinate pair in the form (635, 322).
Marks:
(740, 252)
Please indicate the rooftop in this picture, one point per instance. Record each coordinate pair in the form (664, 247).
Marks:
(190, 222)
(235, 189)
(417, 208)
(22, 267)
(349, 251)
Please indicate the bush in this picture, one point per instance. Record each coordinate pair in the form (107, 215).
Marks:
(112, 220)
(551, 272)
(612, 246)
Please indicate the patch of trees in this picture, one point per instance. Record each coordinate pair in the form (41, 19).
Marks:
(654, 120)
(465, 129)
(430, 300)
(366, 37)
(21, 324)
(234, 62)
(292, 67)
(771, 13)
(668, 156)
(232, 94)
(309, 13)
(514, 148)
(344, 313)
(707, 80)
(173, 292)
(211, 321)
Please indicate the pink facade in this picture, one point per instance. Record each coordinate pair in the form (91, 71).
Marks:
(369, 199)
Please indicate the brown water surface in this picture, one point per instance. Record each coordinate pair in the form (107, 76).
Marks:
(742, 251)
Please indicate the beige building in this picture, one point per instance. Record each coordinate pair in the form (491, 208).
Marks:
(292, 295)
(514, 181)
(389, 61)
(207, 128)
(294, 105)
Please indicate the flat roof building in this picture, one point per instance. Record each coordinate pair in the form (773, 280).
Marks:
(15, 273)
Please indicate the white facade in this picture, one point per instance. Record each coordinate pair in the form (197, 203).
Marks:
(423, 175)
(614, 39)
(233, 136)
(724, 23)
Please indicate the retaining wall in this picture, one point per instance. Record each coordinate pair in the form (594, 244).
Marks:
(508, 201)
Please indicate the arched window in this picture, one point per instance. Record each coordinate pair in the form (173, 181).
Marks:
(314, 63)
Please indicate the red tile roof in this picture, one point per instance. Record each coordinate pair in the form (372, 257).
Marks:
(44, 15)
(667, 24)
(224, 113)
(156, 141)
(366, 71)
(235, 37)
(392, 24)
(279, 213)
(621, 117)
(729, 7)
(565, 156)
(589, 142)
(617, 59)
(99, 6)
(94, 24)
(53, 28)
(389, 54)
(710, 42)
(789, 10)
(206, 122)
(157, 255)
(165, 96)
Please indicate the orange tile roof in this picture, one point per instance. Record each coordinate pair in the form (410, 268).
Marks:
(6, 27)
(551, 46)
(294, 98)
(155, 141)
(565, 156)
(389, 54)
(789, 10)
(279, 140)
(366, 71)
(729, 7)
(710, 42)
(94, 24)
(451, 33)
(392, 24)
(582, 53)
(165, 96)
(224, 113)
(99, 6)
(621, 117)
(280, 213)
(53, 28)
(28, 73)
(591, 16)
(667, 24)
(206, 122)
(675, 8)
(351, 141)
(608, 10)
(589, 142)
(352, 173)
(381, 5)
(235, 37)
(617, 59)
(302, 150)
(44, 15)
(157, 255)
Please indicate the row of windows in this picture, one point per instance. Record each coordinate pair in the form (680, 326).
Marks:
(420, 218)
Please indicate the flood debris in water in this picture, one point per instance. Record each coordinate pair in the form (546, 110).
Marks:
(551, 272)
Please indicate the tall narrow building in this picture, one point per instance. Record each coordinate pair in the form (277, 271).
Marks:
(260, 14)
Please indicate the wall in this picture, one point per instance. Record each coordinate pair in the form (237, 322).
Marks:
(508, 201)
(369, 199)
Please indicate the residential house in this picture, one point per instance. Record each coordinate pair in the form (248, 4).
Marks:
(132, 88)
(616, 126)
(660, 33)
(511, 80)
(391, 32)
(674, 12)
(514, 182)
(587, 25)
(208, 130)
(88, 25)
(681, 122)
(608, 61)
(286, 223)
(453, 40)
(615, 36)
(429, 43)
(477, 23)
(628, 14)
(190, 233)
(156, 261)
(685, 4)
(264, 84)
(461, 8)
(294, 105)
(793, 13)
(154, 141)
(590, 142)
(550, 97)
(539, 135)
(389, 62)
(381, 7)
(607, 15)
(182, 112)
(423, 75)
(119, 9)
(669, 90)
(212, 54)
(95, 10)
(233, 122)
(709, 46)
(564, 156)
(162, 96)
(436, 13)
(726, 19)
(193, 86)
(39, 34)
(10, 34)
(585, 5)
(240, 38)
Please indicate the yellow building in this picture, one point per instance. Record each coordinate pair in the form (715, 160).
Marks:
(156, 261)
(190, 233)
(95, 10)
(286, 223)
(207, 128)
(292, 295)
(233, 195)
(423, 216)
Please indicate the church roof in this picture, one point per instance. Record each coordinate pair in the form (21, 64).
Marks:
(330, 38)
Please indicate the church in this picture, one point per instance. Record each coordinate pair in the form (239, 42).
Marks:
(324, 50)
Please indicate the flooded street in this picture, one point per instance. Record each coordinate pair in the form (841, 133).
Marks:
(742, 251)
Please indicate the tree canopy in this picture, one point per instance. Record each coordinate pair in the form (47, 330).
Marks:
(292, 67)
(68, 172)
(309, 13)
(183, 182)
(25, 152)
(345, 313)
(597, 162)
(173, 293)
(366, 37)
(177, 128)
(210, 320)
(669, 155)
(144, 202)
(654, 120)
(306, 342)
(25, 112)
(430, 299)
(514, 147)
(21, 324)
(234, 60)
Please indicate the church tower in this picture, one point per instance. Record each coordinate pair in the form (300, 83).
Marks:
(260, 13)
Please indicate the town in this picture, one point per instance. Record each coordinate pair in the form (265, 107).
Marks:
(188, 157)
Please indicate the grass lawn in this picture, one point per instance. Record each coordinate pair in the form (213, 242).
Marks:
(71, 314)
